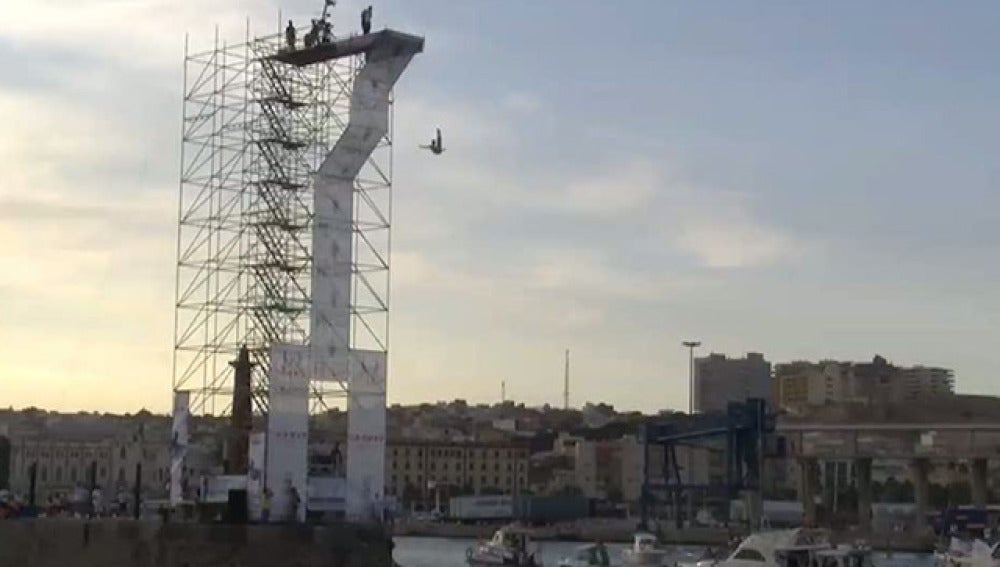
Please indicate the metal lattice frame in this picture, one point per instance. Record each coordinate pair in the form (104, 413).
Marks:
(254, 132)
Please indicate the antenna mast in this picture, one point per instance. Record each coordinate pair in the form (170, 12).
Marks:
(566, 383)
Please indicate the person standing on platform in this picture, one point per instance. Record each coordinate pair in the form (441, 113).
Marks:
(290, 36)
(366, 20)
(265, 505)
(294, 501)
(327, 32)
(312, 38)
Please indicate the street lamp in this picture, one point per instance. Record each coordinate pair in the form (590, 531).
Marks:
(691, 345)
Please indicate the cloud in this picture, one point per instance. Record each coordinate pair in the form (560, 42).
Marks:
(722, 230)
(612, 192)
(522, 102)
(553, 290)
(499, 244)
(135, 33)
(736, 245)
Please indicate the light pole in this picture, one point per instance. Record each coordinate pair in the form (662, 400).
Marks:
(691, 345)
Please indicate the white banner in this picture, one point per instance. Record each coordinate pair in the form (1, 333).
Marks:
(326, 494)
(331, 275)
(366, 436)
(288, 431)
(179, 445)
(256, 459)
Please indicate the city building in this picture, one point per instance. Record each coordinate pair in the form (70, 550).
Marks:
(419, 471)
(109, 455)
(719, 380)
(4, 463)
(802, 384)
(613, 469)
(60, 465)
(922, 382)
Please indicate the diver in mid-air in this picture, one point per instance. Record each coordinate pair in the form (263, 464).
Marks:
(436, 146)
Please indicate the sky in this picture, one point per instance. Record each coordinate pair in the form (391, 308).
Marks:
(805, 180)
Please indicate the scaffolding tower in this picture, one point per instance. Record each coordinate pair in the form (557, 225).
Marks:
(256, 129)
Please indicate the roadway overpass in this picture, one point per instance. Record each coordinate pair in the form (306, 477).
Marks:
(897, 441)
(963, 428)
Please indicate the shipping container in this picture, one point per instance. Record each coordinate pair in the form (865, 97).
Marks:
(480, 508)
(551, 509)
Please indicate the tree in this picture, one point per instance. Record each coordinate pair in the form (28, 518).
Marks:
(570, 490)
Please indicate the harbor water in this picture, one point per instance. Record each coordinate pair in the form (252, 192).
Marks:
(450, 552)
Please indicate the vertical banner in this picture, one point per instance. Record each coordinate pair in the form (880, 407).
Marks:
(178, 445)
(288, 431)
(256, 462)
(366, 436)
(333, 234)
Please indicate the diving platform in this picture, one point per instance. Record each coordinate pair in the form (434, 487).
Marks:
(391, 41)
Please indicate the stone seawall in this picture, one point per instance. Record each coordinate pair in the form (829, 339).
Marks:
(128, 543)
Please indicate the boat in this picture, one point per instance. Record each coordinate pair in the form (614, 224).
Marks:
(794, 548)
(510, 546)
(975, 553)
(843, 556)
(645, 550)
(705, 559)
(587, 556)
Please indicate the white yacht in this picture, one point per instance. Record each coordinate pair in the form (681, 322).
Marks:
(645, 550)
(794, 548)
(510, 546)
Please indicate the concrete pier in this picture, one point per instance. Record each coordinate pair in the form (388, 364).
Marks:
(127, 543)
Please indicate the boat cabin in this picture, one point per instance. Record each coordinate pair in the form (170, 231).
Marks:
(644, 541)
(511, 537)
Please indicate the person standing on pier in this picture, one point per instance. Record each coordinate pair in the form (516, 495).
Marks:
(294, 501)
(290, 36)
(366, 20)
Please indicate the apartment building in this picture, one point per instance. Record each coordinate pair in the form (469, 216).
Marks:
(802, 384)
(421, 470)
(719, 380)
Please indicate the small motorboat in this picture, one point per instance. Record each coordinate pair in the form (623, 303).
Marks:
(645, 550)
(510, 546)
(590, 555)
